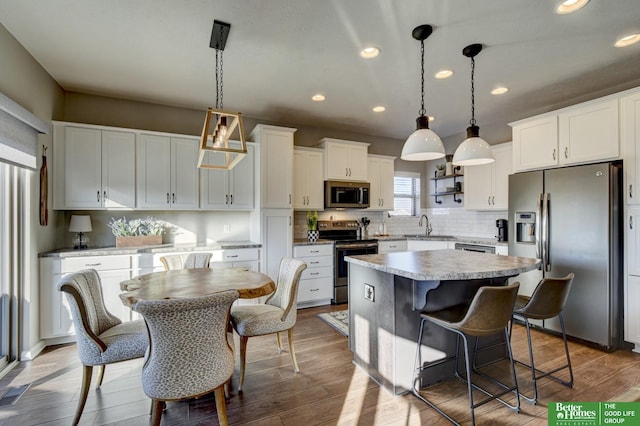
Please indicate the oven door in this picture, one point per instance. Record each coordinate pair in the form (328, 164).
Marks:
(341, 276)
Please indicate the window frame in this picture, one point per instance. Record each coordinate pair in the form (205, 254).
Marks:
(415, 195)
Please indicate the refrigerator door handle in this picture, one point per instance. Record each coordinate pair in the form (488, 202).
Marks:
(537, 230)
(546, 260)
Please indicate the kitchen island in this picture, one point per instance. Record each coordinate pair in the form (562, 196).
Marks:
(387, 292)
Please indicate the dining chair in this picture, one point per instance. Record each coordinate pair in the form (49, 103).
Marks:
(489, 313)
(547, 301)
(101, 337)
(186, 261)
(189, 354)
(277, 314)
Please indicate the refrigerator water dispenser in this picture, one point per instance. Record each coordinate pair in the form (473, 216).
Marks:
(525, 227)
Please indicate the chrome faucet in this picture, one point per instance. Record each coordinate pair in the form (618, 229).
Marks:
(428, 225)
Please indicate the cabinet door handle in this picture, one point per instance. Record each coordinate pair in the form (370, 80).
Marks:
(315, 273)
(231, 256)
(493, 200)
(173, 195)
(167, 198)
(554, 153)
(489, 200)
(231, 198)
(314, 263)
(314, 289)
(631, 191)
(92, 264)
(98, 196)
(104, 195)
(289, 220)
(630, 222)
(315, 251)
(349, 171)
(289, 199)
(566, 152)
(226, 198)
(346, 171)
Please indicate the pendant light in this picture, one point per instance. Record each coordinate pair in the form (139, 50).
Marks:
(473, 150)
(219, 124)
(423, 144)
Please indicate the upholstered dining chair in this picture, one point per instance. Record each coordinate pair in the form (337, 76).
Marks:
(277, 314)
(547, 301)
(101, 337)
(189, 354)
(186, 261)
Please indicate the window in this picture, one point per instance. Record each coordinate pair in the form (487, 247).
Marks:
(406, 194)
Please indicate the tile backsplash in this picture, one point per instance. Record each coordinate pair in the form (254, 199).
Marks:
(444, 221)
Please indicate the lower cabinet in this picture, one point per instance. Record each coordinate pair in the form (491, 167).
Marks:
(632, 319)
(392, 246)
(55, 315)
(316, 282)
(420, 245)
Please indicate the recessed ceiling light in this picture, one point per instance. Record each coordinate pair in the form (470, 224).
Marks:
(627, 40)
(318, 97)
(500, 90)
(369, 52)
(379, 108)
(444, 74)
(570, 6)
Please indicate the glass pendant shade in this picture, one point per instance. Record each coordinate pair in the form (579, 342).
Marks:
(474, 150)
(423, 144)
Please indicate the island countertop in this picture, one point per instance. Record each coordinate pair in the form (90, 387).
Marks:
(445, 264)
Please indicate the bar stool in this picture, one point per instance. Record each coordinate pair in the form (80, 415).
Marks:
(547, 301)
(488, 313)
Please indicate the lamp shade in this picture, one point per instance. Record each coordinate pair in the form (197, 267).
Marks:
(80, 223)
(473, 151)
(422, 145)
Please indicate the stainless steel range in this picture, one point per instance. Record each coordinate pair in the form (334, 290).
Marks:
(346, 234)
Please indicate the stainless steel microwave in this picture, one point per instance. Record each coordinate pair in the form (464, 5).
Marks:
(343, 194)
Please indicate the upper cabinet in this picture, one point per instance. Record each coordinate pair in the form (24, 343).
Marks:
(580, 134)
(308, 182)
(276, 163)
(167, 172)
(486, 187)
(381, 170)
(93, 168)
(345, 160)
(228, 189)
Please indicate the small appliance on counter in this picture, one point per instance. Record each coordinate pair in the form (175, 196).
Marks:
(503, 229)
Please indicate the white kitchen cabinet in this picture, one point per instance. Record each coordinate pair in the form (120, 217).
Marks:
(535, 144)
(93, 168)
(228, 189)
(630, 139)
(308, 180)
(579, 134)
(276, 164)
(632, 316)
(345, 160)
(316, 282)
(380, 176)
(55, 316)
(486, 186)
(632, 284)
(589, 132)
(633, 241)
(392, 246)
(277, 239)
(167, 172)
(422, 245)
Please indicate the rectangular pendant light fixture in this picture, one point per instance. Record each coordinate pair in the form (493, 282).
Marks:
(219, 126)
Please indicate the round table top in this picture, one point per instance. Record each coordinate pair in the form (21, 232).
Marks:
(194, 283)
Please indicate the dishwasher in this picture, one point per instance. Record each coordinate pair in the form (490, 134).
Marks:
(476, 247)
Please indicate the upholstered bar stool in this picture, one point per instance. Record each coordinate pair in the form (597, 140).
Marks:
(488, 313)
(547, 301)
(186, 261)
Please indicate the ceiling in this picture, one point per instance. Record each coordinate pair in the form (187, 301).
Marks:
(281, 52)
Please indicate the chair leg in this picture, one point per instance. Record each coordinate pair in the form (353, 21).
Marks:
(156, 411)
(279, 341)
(467, 362)
(243, 360)
(100, 375)
(221, 406)
(566, 350)
(292, 351)
(87, 370)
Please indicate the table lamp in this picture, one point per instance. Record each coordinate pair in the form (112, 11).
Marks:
(80, 224)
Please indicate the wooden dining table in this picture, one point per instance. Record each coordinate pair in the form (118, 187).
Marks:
(182, 283)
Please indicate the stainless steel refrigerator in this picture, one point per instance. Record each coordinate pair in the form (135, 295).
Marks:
(571, 219)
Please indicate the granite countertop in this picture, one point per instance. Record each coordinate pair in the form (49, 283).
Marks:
(457, 239)
(445, 264)
(163, 248)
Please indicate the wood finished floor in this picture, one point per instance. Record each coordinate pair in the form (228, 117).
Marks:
(329, 390)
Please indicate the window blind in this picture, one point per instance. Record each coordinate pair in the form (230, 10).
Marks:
(19, 134)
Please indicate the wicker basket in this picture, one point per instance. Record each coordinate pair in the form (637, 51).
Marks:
(143, 240)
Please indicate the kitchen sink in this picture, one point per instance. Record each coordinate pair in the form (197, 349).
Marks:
(431, 237)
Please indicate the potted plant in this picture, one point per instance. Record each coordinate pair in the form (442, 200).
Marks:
(312, 226)
(440, 169)
(137, 232)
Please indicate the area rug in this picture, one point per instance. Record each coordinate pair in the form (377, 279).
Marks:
(338, 320)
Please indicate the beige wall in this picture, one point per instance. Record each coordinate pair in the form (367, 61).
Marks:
(27, 83)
